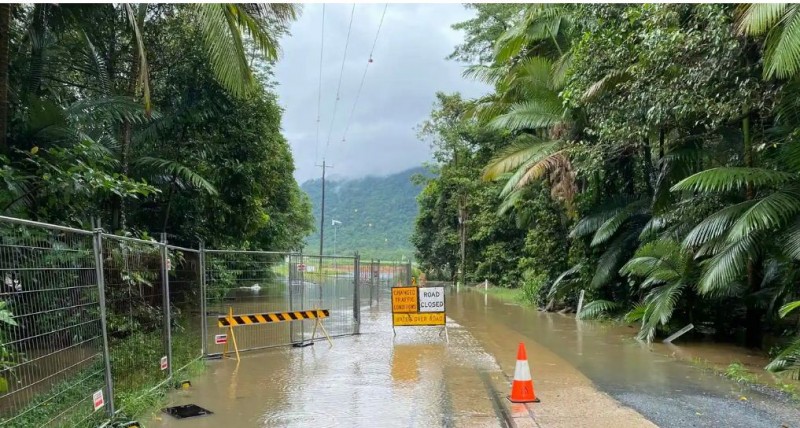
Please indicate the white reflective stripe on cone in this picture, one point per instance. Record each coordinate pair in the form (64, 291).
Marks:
(522, 372)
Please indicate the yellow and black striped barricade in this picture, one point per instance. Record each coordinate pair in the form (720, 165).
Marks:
(230, 321)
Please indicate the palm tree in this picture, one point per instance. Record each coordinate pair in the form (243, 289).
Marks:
(738, 239)
(780, 22)
(667, 270)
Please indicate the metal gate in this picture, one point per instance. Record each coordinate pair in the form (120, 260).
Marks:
(248, 282)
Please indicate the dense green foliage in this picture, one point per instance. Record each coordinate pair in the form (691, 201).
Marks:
(645, 153)
(117, 112)
(152, 118)
(376, 215)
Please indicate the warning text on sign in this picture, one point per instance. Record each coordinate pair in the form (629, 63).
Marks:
(419, 319)
(431, 299)
(404, 300)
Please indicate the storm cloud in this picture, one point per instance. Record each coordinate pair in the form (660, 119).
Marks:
(409, 67)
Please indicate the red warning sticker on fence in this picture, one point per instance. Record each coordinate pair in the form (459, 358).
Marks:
(164, 363)
(98, 400)
(221, 339)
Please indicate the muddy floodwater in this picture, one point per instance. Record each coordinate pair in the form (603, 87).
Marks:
(586, 374)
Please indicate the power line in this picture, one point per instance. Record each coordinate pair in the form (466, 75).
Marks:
(339, 86)
(319, 95)
(364, 76)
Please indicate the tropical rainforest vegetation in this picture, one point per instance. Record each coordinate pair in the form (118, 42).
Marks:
(648, 154)
(150, 117)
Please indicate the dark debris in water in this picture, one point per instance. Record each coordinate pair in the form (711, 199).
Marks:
(187, 411)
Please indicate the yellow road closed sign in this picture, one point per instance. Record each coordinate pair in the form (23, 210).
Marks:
(432, 318)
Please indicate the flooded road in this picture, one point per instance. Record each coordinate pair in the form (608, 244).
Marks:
(668, 392)
(416, 379)
(373, 379)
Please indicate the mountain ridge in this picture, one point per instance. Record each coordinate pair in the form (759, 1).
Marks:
(376, 213)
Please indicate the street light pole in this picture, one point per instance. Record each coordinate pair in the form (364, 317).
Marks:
(335, 223)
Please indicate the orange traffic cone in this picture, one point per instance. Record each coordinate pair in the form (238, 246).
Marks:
(522, 387)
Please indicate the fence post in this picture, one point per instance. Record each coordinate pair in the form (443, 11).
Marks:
(166, 302)
(98, 263)
(294, 276)
(204, 315)
(356, 294)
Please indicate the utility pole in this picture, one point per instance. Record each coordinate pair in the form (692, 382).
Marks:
(322, 211)
(462, 223)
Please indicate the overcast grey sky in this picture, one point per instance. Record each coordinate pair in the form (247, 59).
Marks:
(409, 67)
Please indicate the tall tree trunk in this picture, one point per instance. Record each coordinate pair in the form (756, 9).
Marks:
(118, 204)
(647, 158)
(5, 34)
(753, 322)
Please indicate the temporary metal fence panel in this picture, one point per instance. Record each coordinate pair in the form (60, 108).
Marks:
(51, 351)
(327, 282)
(245, 282)
(185, 295)
(83, 311)
(137, 298)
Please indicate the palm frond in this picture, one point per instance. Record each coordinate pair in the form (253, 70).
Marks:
(725, 179)
(790, 240)
(636, 314)
(659, 306)
(223, 41)
(604, 85)
(510, 200)
(560, 284)
(518, 154)
(728, 266)
(165, 166)
(534, 72)
(612, 225)
(560, 69)
(591, 222)
(653, 226)
(107, 110)
(659, 261)
(97, 66)
(488, 74)
(610, 261)
(756, 19)
(771, 212)
(782, 53)
(255, 27)
(135, 20)
(788, 359)
(787, 308)
(532, 114)
(716, 225)
(597, 308)
(542, 167)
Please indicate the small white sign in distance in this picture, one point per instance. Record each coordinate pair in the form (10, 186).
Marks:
(98, 400)
(431, 299)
